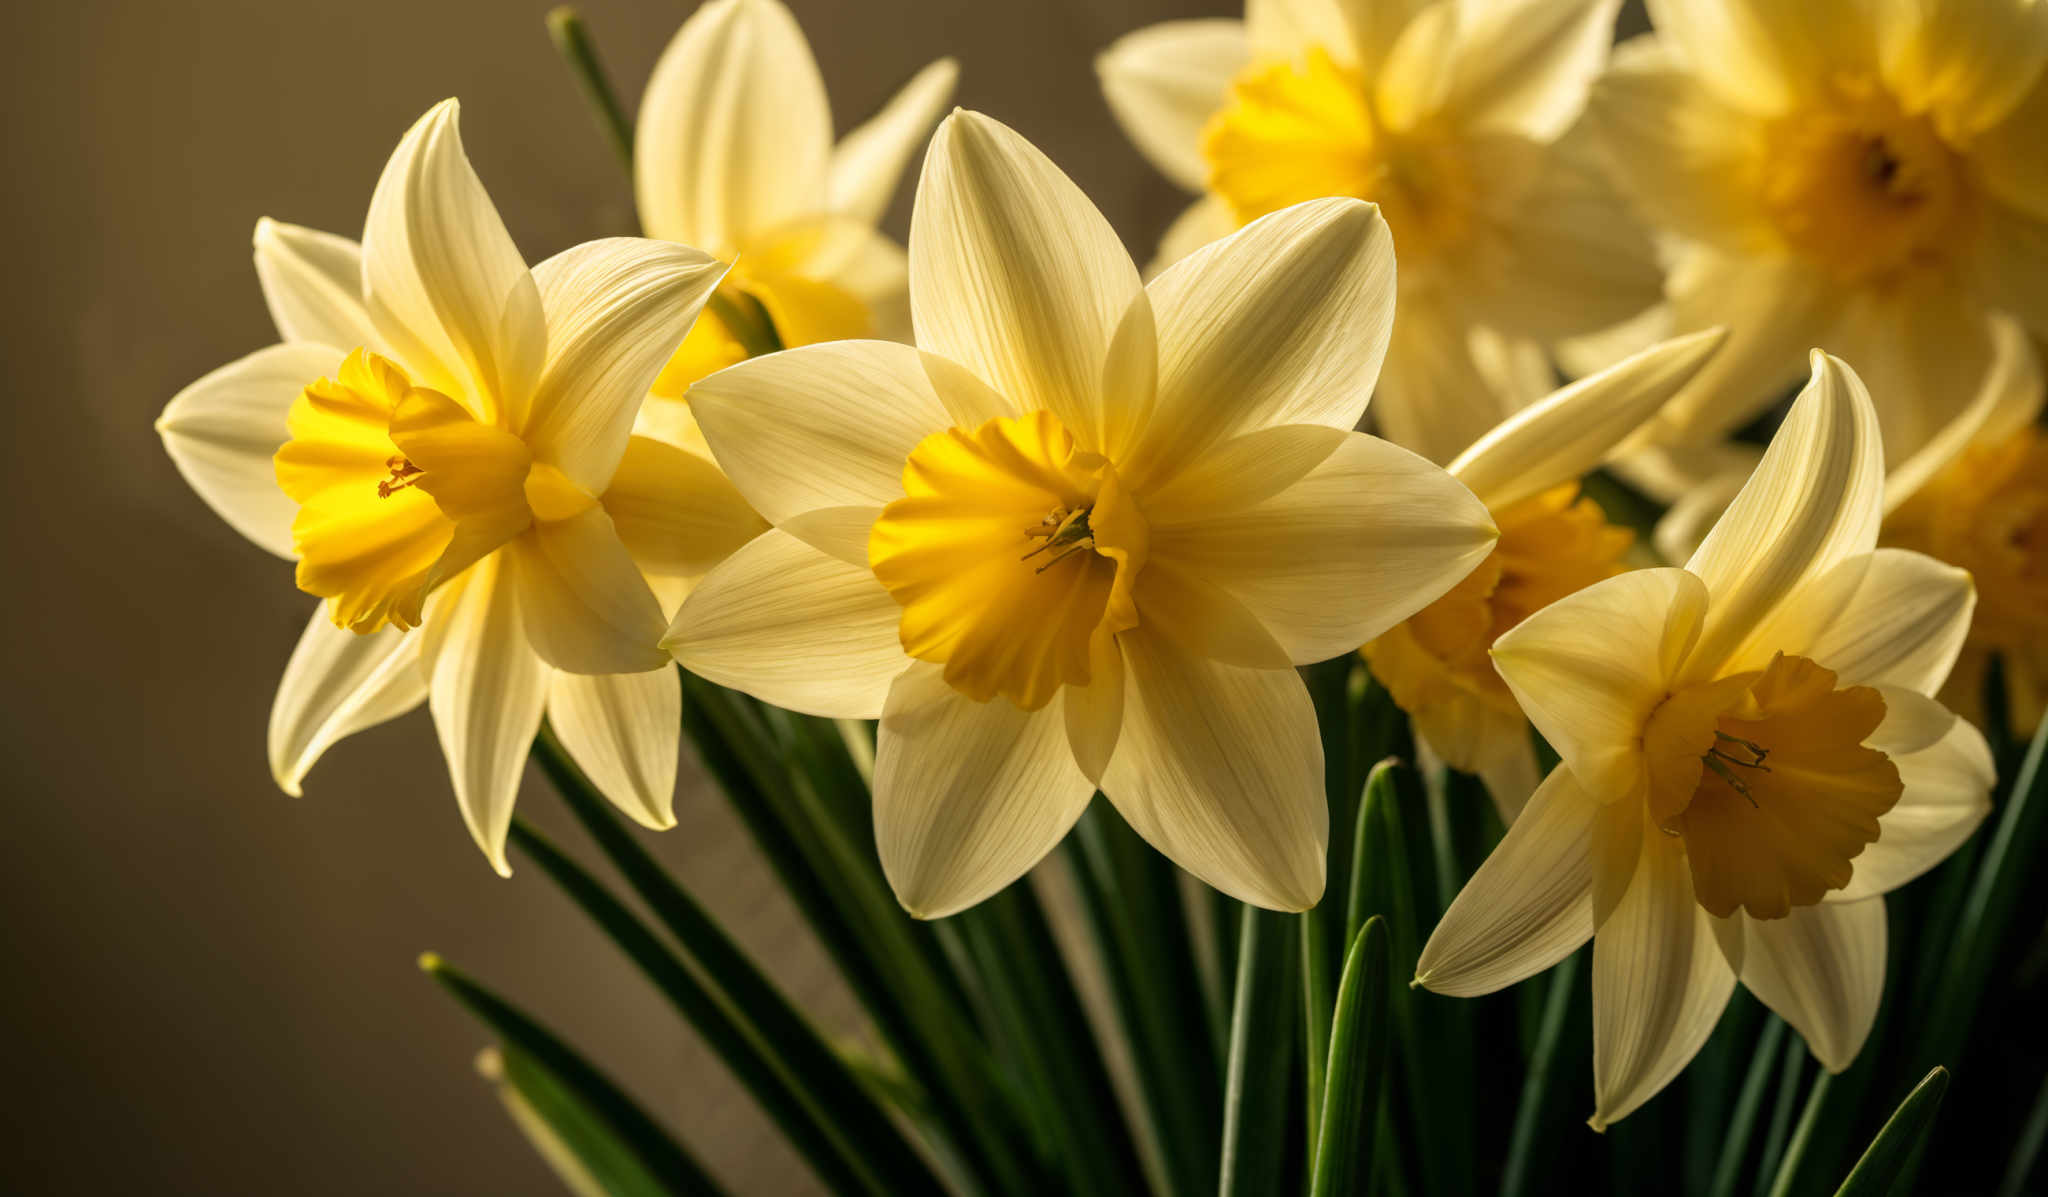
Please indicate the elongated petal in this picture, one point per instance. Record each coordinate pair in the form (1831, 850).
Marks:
(616, 310)
(1816, 498)
(968, 795)
(1095, 712)
(675, 513)
(868, 162)
(795, 627)
(1660, 983)
(1821, 968)
(1775, 307)
(2009, 400)
(2008, 158)
(623, 729)
(1165, 81)
(1886, 618)
(488, 690)
(1530, 904)
(735, 133)
(1947, 793)
(1201, 222)
(222, 431)
(1572, 431)
(1219, 767)
(1414, 80)
(1367, 538)
(1967, 62)
(313, 285)
(1921, 348)
(1283, 322)
(446, 288)
(1525, 68)
(822, 426)
(586, 607)
(1287, 28)
(1442, 390)
(1764, 55)
(1589, 669)
(1202, 619)
(337, 684)
(1014, 273)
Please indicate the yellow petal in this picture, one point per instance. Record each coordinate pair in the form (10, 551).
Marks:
(623, 730)
(1164, 81)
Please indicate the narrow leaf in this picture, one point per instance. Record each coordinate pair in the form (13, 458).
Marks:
(1902, 1135)
(584, 1154)
(572, 42)
(1255, 1101)
(1742, 1120)
(1357, 1067)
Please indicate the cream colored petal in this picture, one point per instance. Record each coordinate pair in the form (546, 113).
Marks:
(1165, 81)
(1966, 62)
(822, 426)
(1095, 712)
(1524, 66)
(616, 310)
(2007, 156)
(1014, 273)
(1509, 769)
(222, 431)
(337, 684)
(735, 133)
(313, 285)
(1207, 219)
(675, 513)
(1912, 722)
(1763, 54)
(1589, 669)
(1922, 349)
(2012, 259)
(1776, 310)
(1201, 619)
(968, 795)
(877, 272)
(2009, 400)
(1283, 322)
(1530, 904)
(585, 605)
(1659, 983)
(868, 162)
(1820, 968)
(1220, 768)
(1589, 353)
(795, 627)
(447, 290)
(623, 730)
(1437, 396)
(1414, 80)
(1815, 499)
(1886, 618)
(1287, 28)
(1685, 524)
(1946, 794)
(1576, 428)
(1242, 471)
(1367, 538)
(487, 692)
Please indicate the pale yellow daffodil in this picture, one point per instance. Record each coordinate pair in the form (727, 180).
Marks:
(1452, 117)
(1862, 175)
(1080, 534)
(443, 444)
(1553, 541)
(1750, 758)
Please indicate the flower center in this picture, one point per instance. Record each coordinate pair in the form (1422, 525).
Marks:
(1013, 554)
(1435, 664)
(1862, 188)
(1300, 131)
(1767, 778)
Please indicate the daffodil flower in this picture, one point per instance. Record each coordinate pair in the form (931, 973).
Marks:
(1750, 758)
(1864, 177)
(1450, 116)
(734, 153)
(442, 442)
(1080, 534)
(1553, 541)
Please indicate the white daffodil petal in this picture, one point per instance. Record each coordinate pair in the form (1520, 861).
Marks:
(488, 689)
(968, 795)
(1287, 28)
(1820, 968)
(1367, 538)
(223, 430)
(1816, 498)
(586, 607)
(1572, 431)
(1589, 669)
(735, 132)
(1946, 794)
(675, 513)
(868, 162)
(1920, 348)
(1524, 68)
(1413, 82)
(2008, 158)
(2009, 400)
(1201, 222)
(1242, 471)
(445, 286)
(623, 730)
(1165, 81)
(616, 310)
(1446, 384)
(1530, 904)
(795, 627)
(313, 285)
(1885, 618)
(822, 426)
(1014, 273)
(337, 684)
(1763, 54)
(1967, 62)
(1220, 768)
(1284, 322)
(1660, 983)
(1095, 712)
(1202, 619)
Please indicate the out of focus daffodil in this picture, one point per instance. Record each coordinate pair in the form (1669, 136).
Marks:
(1553, 542)
(1448, 115)
(1750, 758)
(443, 443)
(1864, 177)
(1079, 536)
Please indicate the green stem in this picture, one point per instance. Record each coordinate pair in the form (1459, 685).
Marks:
(1255, 1091)
(747, 320)
(1796, 1149)
(1742, 1123)
(572, 42)
(1529, 1114)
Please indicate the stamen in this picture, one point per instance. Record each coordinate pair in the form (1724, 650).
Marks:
(1756, 749)
(1061, 528)
(403, 474)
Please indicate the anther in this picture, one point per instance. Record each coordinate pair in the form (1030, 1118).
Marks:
(403, 474)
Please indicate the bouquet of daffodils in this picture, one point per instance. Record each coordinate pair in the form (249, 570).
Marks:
(1207, 709)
